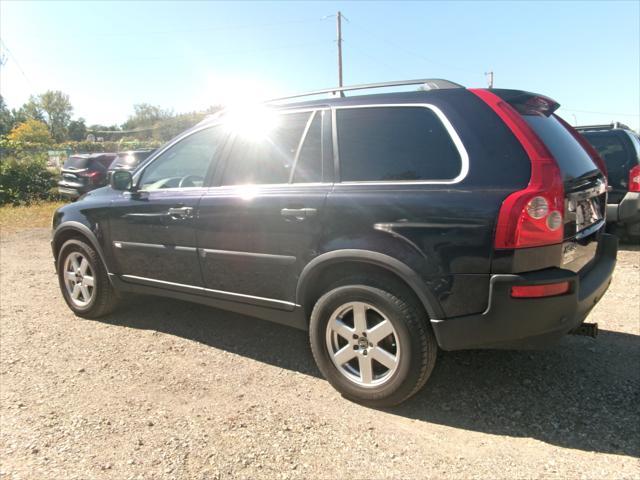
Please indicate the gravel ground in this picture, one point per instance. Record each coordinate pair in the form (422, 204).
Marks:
(165, 389)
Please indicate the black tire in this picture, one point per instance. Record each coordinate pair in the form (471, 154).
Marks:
(104, 299)
(413, 330)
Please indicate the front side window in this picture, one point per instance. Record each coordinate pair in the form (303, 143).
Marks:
(395, 144)
(186, 163)
(268, 158)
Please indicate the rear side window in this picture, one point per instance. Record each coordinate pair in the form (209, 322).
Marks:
(269, 159)
(572, 159)
(395, 143)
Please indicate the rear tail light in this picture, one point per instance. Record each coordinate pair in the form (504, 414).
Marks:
(538, 291)
(634, 179)
(93, 175)
(584, 143)
(530, 217)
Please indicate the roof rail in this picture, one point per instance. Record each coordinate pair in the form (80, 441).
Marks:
(429, 84)
(608, 126)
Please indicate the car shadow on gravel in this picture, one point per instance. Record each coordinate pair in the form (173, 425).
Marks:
(582, 394)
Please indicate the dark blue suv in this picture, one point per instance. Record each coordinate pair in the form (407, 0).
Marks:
(386, 225)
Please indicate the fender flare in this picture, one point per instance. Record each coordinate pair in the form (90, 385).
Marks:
(83, 230)
(393, 265)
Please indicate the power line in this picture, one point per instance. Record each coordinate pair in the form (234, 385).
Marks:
(15, 60)
(401, 47)
(601, 113)
(124, 32)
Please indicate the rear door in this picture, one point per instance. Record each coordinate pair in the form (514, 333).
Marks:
(584, 188)
(261, 225)
(153, 231)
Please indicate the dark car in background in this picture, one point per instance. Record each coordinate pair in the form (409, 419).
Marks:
(129, 160)
(82, 173)
(619, 147)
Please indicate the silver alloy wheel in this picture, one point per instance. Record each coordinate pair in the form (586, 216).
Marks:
(363, 344)
(78, 279)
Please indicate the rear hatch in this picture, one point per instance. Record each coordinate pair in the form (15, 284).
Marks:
(73, 169)
(81, 171)
(584, 184)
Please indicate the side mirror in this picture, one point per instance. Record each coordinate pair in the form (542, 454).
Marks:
(121, 180)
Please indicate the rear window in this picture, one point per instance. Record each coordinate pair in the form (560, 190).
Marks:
(572, 159)
(395, 143)
(76, 162)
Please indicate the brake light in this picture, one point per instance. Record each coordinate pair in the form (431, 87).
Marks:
(634, 179)
(538, 291)
(533, 216)
(584, 143)
(93, 175)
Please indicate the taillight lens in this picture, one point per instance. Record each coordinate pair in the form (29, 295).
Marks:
(634, 179)
(533, 216)
(584, 143)
(92, 175)
(538, 291)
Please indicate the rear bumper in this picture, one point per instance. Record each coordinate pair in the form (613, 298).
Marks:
(531, 322)
(627, 211)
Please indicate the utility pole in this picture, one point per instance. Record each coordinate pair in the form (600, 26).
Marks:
(490, 75)
(339, 34)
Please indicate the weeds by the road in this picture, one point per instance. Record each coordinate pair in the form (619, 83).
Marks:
(32, 216)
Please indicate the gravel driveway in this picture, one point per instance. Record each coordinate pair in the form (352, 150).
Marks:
(165, 389)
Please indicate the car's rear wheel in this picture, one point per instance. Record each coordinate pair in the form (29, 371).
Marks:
(83, 280)
(374, 346)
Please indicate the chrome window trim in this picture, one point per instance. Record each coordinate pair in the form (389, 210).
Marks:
(453, 134)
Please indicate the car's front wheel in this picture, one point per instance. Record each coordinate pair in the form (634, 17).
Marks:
(374, 346)
(83, 280)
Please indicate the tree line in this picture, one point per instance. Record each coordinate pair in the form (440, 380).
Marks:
(48, 118)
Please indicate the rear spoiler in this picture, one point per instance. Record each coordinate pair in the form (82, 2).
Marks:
(527, 103)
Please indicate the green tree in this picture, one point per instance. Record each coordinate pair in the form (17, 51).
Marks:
(31, 109)
(58, 109)
(6, 118)
(33, 131)
(77, 130)
(146, 118)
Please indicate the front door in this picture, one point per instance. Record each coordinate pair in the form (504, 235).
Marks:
(263, 223)
(152, 231)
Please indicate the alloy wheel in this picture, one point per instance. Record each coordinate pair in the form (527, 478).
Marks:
(363, 344)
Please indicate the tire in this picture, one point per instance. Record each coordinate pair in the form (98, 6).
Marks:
(412, 343)
(97, 298)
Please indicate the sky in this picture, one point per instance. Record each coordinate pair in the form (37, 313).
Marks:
(185, 56)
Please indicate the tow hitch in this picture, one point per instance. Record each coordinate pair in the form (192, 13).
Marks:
(586, 329)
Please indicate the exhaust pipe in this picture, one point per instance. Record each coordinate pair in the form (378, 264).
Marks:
(586, 329)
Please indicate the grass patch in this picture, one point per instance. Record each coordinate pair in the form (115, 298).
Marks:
(37, 215)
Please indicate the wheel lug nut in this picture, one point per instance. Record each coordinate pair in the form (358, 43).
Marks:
(355, 347)
(364, 352)
(355, 336)
(364, 334)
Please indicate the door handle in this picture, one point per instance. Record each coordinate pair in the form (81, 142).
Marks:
(180, 212)
(298, 213)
